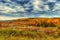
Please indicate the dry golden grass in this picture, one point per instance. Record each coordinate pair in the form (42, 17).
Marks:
(31, 29)
(14, 34)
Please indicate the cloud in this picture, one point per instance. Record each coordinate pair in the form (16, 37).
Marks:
(7, 18)
(10, 7)
(39, 5)
(57, 6)
(12, 10)
(5, 9)
(52, 0)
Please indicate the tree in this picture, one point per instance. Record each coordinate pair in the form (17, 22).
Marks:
(45, 24)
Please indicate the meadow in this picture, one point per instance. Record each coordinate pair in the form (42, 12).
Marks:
(30, 29)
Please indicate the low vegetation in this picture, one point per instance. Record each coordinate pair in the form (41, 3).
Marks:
(41, 29)
(14, 34)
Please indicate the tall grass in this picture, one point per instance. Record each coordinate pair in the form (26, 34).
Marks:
(10, 34)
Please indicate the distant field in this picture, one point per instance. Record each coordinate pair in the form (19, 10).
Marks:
(30, 29)
(30, 22)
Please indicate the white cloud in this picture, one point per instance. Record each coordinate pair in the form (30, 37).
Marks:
(8, 18)
(52, 0)
(38, 3)
(19, 8)
(6, 9)
(10, 9)
(57, 6)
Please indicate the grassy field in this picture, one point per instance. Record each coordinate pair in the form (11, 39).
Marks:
(30, 29)
(14, 34)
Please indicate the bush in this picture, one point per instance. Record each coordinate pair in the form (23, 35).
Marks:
(45, 24)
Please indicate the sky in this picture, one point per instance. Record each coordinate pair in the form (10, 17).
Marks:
(16, 9)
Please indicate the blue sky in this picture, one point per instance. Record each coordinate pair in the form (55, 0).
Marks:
(15, 9)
